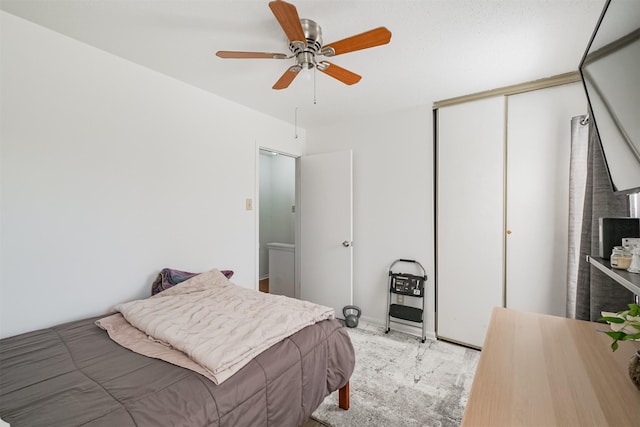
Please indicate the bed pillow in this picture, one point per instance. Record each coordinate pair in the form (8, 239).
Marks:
(169, 277)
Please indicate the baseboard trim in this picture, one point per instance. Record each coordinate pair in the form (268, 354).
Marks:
(401, 327)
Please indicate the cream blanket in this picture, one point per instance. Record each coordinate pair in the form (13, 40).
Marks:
(219, 325)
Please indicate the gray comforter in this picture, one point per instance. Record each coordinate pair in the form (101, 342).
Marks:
(73, 374)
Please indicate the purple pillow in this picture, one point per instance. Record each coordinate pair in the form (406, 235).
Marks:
(169, 277)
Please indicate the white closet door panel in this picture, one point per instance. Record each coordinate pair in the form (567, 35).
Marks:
(539, 146)
(470, 212)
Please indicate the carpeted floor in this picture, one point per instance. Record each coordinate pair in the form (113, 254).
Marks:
(400, 382)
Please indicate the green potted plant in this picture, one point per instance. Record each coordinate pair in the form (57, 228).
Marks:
(625, 326)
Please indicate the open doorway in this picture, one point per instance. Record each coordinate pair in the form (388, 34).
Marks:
(277, 223)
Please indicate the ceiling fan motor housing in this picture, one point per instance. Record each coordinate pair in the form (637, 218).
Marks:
(306, 54)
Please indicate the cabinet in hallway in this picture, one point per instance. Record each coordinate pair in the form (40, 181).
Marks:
(282, 269)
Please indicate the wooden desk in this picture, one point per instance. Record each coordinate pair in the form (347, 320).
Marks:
(539, 370)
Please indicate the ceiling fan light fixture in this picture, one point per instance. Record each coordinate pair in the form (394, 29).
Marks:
(306, 74)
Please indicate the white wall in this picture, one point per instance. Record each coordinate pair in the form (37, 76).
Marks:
(111, 172)
(393, 199)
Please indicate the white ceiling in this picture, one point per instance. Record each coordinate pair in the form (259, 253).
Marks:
(439, 48)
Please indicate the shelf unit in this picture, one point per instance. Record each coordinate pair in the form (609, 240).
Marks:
(630, 281)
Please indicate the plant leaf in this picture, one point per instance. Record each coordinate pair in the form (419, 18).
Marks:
(630, 337)
(634, 310)
(618, 335)
(612, 319)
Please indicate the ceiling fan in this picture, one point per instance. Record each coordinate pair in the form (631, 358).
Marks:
(305, 44)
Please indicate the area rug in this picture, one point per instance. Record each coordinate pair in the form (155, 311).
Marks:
(398, 381)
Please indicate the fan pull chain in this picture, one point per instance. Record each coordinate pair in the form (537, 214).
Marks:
(314, 86)
(295, 120)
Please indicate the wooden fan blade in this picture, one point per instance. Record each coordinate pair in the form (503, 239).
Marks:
(287, 16)
(371, 38)
(285, 80)
(233, 54)
(345, 76)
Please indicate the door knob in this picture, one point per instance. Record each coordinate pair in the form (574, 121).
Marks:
(346, 243)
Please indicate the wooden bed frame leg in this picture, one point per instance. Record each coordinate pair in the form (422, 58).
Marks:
(343, 397)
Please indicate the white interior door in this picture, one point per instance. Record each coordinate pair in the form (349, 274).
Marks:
(539, 141)
(326, 229)
(470, 218)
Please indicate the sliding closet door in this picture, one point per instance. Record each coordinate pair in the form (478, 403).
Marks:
(470, 218)
(538, 141)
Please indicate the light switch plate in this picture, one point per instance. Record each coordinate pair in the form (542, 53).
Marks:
(249, 204)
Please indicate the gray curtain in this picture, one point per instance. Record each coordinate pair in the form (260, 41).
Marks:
(577, 184)
(595, 292)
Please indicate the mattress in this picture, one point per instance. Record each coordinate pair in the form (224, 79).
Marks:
(74, 374)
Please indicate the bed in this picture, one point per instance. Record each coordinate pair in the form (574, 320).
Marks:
(75, 374)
